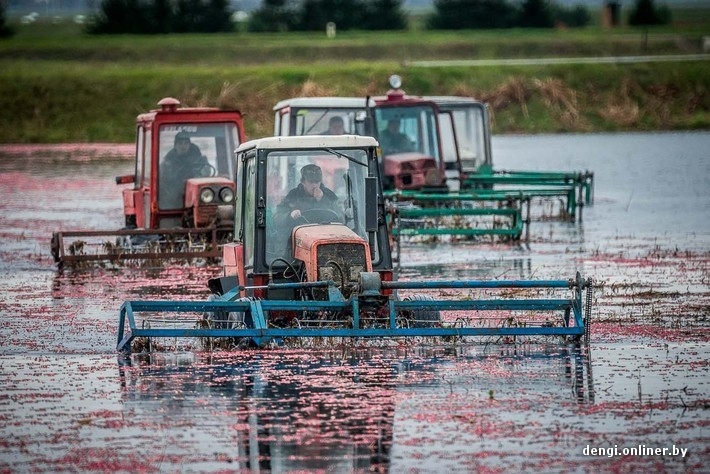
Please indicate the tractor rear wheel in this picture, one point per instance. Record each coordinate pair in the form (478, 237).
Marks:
(422, 318)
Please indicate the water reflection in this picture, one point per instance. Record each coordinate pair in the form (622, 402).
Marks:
(575, 359)
(336, 410)
(455, 261)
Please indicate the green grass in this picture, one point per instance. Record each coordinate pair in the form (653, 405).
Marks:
(58, 84)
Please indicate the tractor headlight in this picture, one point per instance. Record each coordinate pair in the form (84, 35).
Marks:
(206, 195)
(226, 195)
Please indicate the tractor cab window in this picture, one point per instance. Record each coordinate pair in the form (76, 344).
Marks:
(470, 126)
(142, 171)
(325, 121)
(312, 187)
(408, 129)
(193, 151)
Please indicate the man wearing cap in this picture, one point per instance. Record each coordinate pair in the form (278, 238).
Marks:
(309, 195)
(184, 161)
(188, 156)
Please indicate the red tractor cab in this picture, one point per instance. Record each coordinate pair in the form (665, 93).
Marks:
(184, 168)
(181, 204)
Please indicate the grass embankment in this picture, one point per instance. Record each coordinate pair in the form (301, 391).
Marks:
(58, 85)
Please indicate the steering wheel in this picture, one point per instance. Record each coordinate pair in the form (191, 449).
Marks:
(212, 170)
(320, 216)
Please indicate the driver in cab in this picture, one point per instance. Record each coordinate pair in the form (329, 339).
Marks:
(310, 201)
(182, 162)
(185, 160)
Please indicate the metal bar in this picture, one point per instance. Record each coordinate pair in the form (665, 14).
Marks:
(129, 232)
(483, 195)
(504, 304)
(257, 308)
(520, 179)
(447, 284)
(124, 341)
(513, 232)
(119, 254)
(140, 256)
(456, 211)
(497, 195)
(189, 306)
(272, 333)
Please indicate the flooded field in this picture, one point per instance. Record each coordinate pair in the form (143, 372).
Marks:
(68, 404)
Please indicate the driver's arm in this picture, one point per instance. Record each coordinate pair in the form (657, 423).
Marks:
(204, 166)
(286, 209)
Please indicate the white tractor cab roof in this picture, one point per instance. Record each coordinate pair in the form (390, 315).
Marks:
(353, 102)
(326, 102)
(309, 141)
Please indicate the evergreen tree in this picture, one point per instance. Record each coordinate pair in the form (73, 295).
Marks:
(575, 16)
(311, 17)
(346, 14)
(120, 16)
(536, 14)
(274, 15)
(161, 16)
(218, 17)
(646, 13)
(187, 16)
(5, 30)
(471, 14)
(384, 15)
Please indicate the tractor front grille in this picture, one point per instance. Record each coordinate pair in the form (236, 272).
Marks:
(343, 261)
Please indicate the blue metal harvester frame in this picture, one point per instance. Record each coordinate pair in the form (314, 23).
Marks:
(575, 318)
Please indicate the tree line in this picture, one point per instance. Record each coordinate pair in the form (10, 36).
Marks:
(210, 16)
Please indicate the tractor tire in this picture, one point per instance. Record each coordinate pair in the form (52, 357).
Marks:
(424, 318)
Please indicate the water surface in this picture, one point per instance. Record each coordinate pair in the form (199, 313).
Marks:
(67, 404)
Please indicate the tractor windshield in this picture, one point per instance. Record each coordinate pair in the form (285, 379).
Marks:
(408, 129)
(313, 187)
(324, 121)
(192, 151)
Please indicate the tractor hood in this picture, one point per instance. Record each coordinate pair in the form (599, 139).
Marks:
(329, 249)
(209, 201)
(412, 170)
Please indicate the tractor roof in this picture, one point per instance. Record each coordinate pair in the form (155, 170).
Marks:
(452, 99)
(359, 102)
(309, 141)
(324, 102)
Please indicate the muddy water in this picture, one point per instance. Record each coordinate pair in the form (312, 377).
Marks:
(66, 404)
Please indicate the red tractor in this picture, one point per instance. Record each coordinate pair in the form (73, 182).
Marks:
(182, 200)
(335, 239)
(408, 129)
